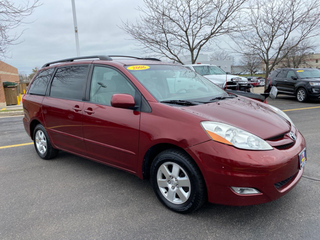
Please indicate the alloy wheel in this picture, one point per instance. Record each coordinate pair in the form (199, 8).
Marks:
(174, 183)
(41, 142)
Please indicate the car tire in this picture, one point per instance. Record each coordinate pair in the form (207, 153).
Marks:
(301, 95)
(42, 143)
(177, 181)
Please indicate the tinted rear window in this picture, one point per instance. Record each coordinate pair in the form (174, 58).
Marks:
(40, 83)
(69, 82)
(282, 74)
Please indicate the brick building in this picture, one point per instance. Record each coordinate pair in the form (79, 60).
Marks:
(8, 73)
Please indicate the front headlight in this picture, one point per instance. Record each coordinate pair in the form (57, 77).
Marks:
(313, 84)
(236, 137)
(282, 114)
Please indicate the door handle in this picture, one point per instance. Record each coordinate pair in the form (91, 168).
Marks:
(76, 108)
(89, 111)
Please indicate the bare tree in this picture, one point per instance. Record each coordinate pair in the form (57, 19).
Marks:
(220, 54)
(11, 16)
(172, 28)
(296, 56)
(34, 72)
(251, 63)
(273, 23)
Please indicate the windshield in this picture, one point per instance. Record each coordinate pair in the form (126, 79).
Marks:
(173, 82)
(309, 73)
(208, 70)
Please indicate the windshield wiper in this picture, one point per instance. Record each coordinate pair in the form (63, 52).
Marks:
(222, 98)
(218, 98)
(180, 102)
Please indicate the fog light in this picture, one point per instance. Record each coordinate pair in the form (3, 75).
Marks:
(245, 190)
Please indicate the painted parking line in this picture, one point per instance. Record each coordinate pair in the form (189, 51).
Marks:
(16, 145)
(298, 109)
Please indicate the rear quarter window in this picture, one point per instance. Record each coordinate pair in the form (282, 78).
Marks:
(282, 74)
(40, 83)
(69, 82)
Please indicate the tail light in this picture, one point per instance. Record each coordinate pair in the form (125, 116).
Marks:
(269, 80)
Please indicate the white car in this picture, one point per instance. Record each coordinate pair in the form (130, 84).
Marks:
(220, 77)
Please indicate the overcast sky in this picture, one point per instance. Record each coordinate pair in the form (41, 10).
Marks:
(49, 34)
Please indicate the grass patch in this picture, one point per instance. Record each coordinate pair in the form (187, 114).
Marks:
(11, 110)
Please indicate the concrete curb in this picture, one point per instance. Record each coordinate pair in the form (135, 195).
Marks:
(11, 113)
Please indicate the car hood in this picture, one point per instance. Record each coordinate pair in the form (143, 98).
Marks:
(249, 115)
(224, 77)
(216, 78)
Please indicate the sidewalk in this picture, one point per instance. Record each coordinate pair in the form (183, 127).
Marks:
(12, 110)
(257, 90)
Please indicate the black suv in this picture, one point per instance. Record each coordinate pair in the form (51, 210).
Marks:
(304, 83)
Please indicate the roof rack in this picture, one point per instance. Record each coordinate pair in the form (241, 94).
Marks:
(100, 57)
(152, 59)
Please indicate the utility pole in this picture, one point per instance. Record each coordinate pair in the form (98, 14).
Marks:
(75, 27)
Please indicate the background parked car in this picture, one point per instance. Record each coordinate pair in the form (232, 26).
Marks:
(304, 83)
(262, 81)
(220, 77)
(256, 81)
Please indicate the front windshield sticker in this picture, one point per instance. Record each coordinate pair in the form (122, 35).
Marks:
(300, 71)
(138, 67)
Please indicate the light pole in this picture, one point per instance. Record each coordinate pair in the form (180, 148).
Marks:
(75, 27)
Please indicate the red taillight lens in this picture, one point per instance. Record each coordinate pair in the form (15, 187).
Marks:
(269, 80)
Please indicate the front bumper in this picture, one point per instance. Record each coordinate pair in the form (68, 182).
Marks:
(273, 173)
(314, 92)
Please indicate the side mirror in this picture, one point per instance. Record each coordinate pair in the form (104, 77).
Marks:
(273, 92)
(122, 101)
(294, 78)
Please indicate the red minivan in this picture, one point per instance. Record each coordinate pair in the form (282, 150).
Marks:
(162, 121)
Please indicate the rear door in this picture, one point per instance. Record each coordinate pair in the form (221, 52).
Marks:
(280, 80)
(111, 134)
(63, 108)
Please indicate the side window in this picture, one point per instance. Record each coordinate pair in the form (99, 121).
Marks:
(282, 74)
(291, 74)
(106, 82)
(69, 82)
(40, 83)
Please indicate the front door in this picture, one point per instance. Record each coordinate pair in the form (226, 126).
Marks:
(291, 80)
(111, 134)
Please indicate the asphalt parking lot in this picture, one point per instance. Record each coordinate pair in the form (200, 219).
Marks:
(74, 198)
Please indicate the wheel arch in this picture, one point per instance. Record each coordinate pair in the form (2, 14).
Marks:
(33, 125)
(154, 151)
(298, 87)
